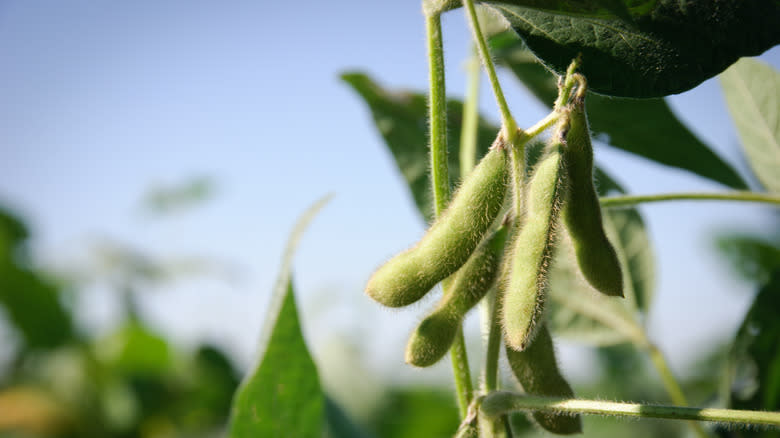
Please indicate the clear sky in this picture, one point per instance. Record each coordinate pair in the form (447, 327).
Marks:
(102, 101)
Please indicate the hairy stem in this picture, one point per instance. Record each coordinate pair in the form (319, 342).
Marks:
(469, 130)
(502, 402)
(437, 115)
(625, 201)
(510, 126)
(493, 350)
(441, 186)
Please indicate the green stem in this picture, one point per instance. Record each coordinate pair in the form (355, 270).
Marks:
(625, 201)
(502, 402)
(567, 84)
(441, 186)
(437, 115)
(460, 370)
(599, 308)
(493, 350)
(670, 382)
(510, 126)
(468, 133)
(492, 427)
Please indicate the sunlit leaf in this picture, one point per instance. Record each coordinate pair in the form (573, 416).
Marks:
(281, 395)
(752, 90)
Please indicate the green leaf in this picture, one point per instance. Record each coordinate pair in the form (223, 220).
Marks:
(588, 8)
(281, 396)
(578, 311)
(136, 350)
(753, 257)
(752, 91)
(339, 425)
(645, 127)
(622, 9)
(667, 49)
(755, 359)
(402, 119)
(168, 199)
(416, 412)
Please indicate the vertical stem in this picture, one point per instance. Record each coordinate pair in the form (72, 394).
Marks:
(510, 126)
(441, 186)
(460, 370)
(437, 115)
(468, 133)
(492, 427)
(490, 376)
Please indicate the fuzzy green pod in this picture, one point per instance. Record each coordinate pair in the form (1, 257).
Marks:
(451, 239)
(537, 371)
(596, 256)
(434, 335)
(524, 292)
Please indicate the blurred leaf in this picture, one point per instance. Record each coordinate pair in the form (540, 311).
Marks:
(34, 309)
(666, 49)
(416, 412)
(31, 412)
(755, 359)
(339, 425)
(31, 301)
(12, 234)
(135, 350)
(753, 257)
(402, 119)
(752, 91)
(281, 396)
(580, 312)
(646, 127)
(174, 198)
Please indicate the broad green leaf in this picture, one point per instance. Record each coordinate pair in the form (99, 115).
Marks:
(401, 118)
(668, 49)
(755, 358)
(578, 311)
(646, 127)
(622, 9)
(586, 8)
(752, 90)
(281, 396)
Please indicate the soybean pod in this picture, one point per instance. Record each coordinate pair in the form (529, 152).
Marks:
(434, 335)
(524, 292)
(537, 371)
(449, 242)
(596, 256)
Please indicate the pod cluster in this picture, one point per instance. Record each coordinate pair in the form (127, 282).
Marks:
(473, 252)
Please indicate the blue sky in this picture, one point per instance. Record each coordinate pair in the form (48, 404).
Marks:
(102, 101)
